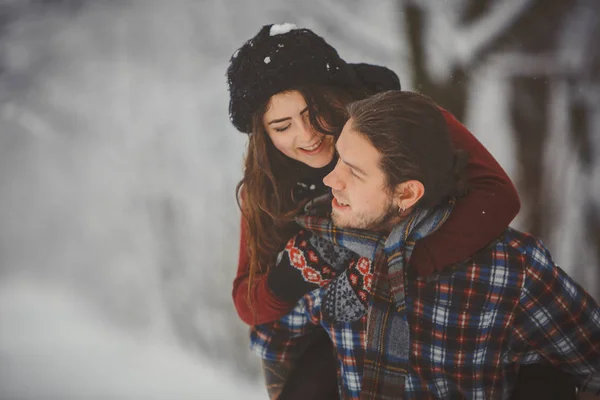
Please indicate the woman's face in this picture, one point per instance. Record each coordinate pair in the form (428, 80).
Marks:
(287, 124)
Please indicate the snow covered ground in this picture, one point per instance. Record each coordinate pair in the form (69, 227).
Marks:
(54, 347)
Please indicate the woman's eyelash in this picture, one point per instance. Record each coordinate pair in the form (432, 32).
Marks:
(282, 129)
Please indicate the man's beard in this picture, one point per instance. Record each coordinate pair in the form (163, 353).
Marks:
(382, 221)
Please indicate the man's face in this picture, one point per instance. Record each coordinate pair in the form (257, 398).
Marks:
(361, 199)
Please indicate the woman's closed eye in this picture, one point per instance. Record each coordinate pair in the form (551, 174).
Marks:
(283, 128)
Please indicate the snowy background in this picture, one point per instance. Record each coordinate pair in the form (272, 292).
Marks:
(119, 227)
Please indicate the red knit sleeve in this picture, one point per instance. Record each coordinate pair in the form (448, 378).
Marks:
(265, 306)
(479, 217)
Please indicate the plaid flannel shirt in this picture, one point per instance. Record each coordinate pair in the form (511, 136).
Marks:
(470, 327)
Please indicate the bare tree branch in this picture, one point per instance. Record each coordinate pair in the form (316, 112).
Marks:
(472, 39)
(359, 31)
(582, 27)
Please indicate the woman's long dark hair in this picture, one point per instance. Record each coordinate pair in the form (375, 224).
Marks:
(265, 193)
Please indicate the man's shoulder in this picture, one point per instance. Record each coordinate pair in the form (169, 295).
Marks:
(523, 242)
(511, 249)
(503, 263)
(515, 249)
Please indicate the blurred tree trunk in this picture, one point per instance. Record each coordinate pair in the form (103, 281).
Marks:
(552, 59)
(451, 94)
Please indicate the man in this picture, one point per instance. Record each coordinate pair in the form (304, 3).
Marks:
(462, 333)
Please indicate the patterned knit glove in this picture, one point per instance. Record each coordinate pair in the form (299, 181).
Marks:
(347, 297)
(307, 262)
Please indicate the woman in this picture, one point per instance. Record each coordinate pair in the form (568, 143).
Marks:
(288, 91)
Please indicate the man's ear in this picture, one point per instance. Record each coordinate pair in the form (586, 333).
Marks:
(408, 193)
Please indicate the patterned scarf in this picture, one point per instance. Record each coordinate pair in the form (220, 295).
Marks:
(388, 341)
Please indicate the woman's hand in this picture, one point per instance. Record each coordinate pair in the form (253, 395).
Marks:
(302, 266)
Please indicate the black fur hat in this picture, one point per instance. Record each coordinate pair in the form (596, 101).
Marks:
(281, 57)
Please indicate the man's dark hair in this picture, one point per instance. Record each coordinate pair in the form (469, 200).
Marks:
(411, 134)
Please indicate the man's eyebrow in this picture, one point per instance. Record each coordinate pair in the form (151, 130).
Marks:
(354, 167)
(286, 118)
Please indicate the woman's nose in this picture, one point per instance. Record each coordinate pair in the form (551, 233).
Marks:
(307, 130)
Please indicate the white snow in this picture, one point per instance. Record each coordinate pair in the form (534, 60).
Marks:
(108, 157)
(267, 60)
(54, 347)
(280, 29)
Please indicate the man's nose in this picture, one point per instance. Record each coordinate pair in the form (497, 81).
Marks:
(333, 180)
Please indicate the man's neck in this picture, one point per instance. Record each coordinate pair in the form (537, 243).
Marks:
(387, 227)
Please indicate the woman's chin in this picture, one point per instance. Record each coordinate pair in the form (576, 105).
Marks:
(318, 157)
(317, 161)
(320, 163)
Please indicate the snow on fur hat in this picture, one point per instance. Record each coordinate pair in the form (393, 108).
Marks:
(281, 57)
